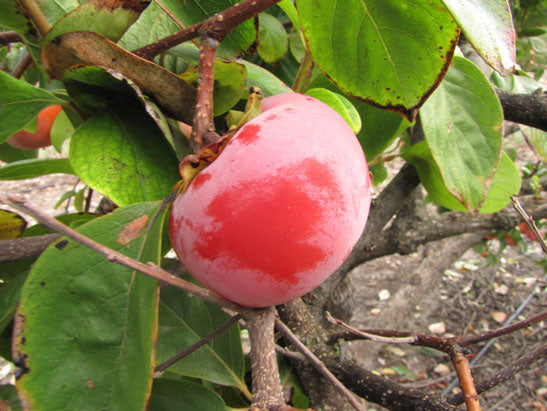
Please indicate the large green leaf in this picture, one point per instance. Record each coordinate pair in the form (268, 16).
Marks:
(185, 320)
(389, 53)
(23, 169)
(12, 276)
(505, 182)
(86, 327)
(462, 123)
(121, 153)
(487, 25)
(10, 154)
(109, 19)
(193, 11)
(12, 18)
(170, 394)
(54, 10)
(20, 103)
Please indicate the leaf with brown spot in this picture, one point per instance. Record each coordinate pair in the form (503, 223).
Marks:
(132, 230)
(172, 93)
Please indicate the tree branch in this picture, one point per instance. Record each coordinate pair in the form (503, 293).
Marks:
(527, 109)
(25, 247)
(148, 269)
(267, 389)
(512, 369)
(217, 27)
(7, 37)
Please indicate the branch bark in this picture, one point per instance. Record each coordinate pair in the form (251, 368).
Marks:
(527, 109)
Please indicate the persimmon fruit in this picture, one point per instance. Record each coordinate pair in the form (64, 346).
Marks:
(28, 140)
(280, 208)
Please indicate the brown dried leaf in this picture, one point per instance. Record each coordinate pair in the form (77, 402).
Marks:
(171, 92)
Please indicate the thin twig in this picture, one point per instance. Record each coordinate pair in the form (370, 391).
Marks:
(221, 23)
(461, 365)
(473, 339)
(410, 339)
(530, 223)
(113, 256)
(512, 369)
(293, 355)
(318, 364)
(7, 37)
(23, 64)
(206, 340)
(36, 16)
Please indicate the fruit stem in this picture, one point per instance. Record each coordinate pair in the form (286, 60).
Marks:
(267, 389)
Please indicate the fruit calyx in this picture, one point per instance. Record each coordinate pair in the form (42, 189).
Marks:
(192, 164)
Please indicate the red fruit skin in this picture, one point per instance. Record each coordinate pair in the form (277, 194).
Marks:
(27, 140)
(279, 210)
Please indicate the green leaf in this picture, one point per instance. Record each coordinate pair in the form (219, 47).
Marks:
(11, 18)
(268, 82)
(121, 153)
(86, 327)
(72, 220)
(272, 38)
(13, 275)
(340, 104)
(289, 378)
(488, 26)
(109, 19)
(54, 10)
(152, 25)
(505, 182)
(388, 53)
(288, 7)
(297, 48)
(20, 103)
(462, 124)
(8, 398)
(10, 154)
(61, 130)
(184, 320)
(229, 84)
(170, 394)
(24, 169)
(194, 11)
(379, 127)
(538, 141)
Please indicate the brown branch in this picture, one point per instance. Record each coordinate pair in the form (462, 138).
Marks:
(203, 117)
(7, 37)
(206, 340)
(23, 64)
(317, 363)
(115, 257)
(461, 365)
(25, 247)
(267, 389)
(218, 27)
(36, 16)
(527, 109)
(508, 372)
(474, 339)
